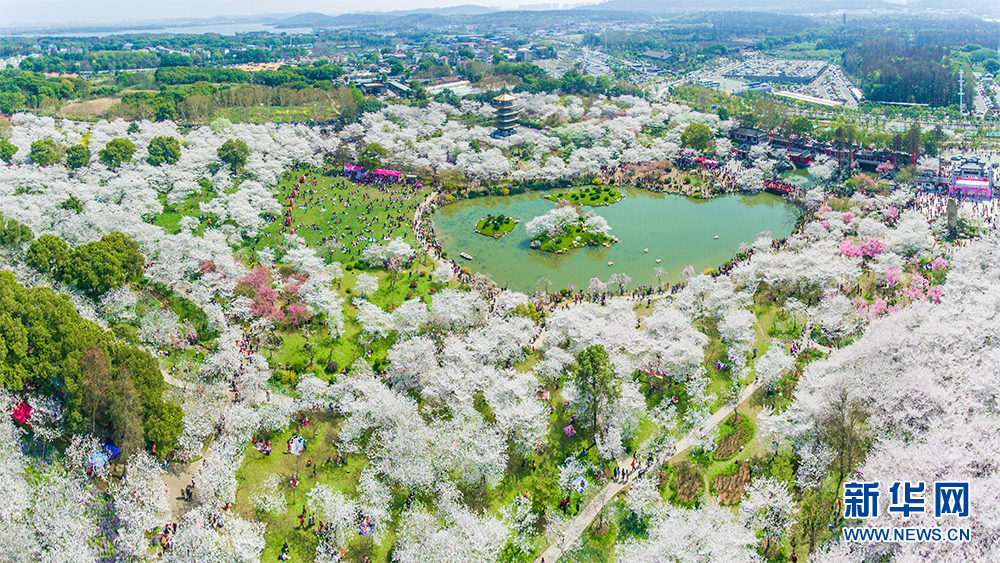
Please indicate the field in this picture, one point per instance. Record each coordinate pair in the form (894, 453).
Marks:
(320, 435)
(318, 111)
(339, 217)
(806, 51)
(89, 109)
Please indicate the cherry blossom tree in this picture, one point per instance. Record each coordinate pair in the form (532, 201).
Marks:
(366, 284)
(462, 537)
(267, 497)
(621, 280)
(766, 508)
(443, 273)
(677, 534)
(338, 516)
(140, 503)
(773, 364)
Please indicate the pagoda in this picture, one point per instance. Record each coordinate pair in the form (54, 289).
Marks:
(506, 115)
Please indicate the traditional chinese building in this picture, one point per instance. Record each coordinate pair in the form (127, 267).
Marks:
(506, 115)
(971, 178)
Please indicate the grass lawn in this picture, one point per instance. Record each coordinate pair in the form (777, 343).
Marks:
(598, 543)
(317, 111)
(320, 434)
(170, 219)
(594, 196)
(496, 226)
(346, 349)
(347, 216)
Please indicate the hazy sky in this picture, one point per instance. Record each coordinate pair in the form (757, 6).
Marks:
(102, 11)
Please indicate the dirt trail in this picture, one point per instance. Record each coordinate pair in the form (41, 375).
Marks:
(178, 476)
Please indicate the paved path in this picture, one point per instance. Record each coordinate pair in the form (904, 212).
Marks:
(593, 507)
(173, 381)
(178, 476)
(259, 398)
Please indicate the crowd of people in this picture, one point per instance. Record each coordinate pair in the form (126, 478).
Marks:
(934, 206)
(379, 214)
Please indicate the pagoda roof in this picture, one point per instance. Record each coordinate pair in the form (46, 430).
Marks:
(505, 97)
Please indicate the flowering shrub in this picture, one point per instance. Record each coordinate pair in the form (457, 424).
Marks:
(892, 275)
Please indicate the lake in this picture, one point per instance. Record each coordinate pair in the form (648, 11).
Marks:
(221, 29)
(679, 231)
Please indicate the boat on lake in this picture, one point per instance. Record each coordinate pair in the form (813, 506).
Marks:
(466, 256)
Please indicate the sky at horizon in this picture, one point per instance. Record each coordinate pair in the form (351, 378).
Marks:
(13, 12)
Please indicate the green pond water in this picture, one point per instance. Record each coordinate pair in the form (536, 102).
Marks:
(799, 177)
(679, 231)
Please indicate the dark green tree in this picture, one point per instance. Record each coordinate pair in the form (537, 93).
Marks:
(598, 387)
(45, 152)
(933, 140)
(13, 233)
(125, 414)
(164, 428)
(7, 150)
(696, 136)
(116, 153)
(845, 432)
(234, 152)
(371, 156)
(105, 384)
(72, 204)
(97, 267)
(800, 125)
(77, 156)
(913, 141)
(95, 385)
(48, 254)
(164, 150)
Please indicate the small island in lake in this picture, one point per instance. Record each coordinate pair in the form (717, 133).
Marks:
(594, 196)
(565, 228)
(496, 226)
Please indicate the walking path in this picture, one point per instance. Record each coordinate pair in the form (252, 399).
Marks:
(178, 476)
(594, 506)
(260, 397)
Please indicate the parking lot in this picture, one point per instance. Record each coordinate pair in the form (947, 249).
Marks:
(831, 85)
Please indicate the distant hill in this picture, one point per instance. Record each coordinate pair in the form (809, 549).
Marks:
(976, 7)
(483, 19)
(464, 9)
(784, 6)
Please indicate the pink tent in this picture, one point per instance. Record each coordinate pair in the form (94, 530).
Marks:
(391, 173)
(971, 187)
(22, 413)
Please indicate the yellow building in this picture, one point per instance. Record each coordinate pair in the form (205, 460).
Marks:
(506, 119)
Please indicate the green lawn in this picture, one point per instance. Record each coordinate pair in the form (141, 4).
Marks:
(294, 114)
(171, 217)
(340, 218)
(594, 196)
(320, 434)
